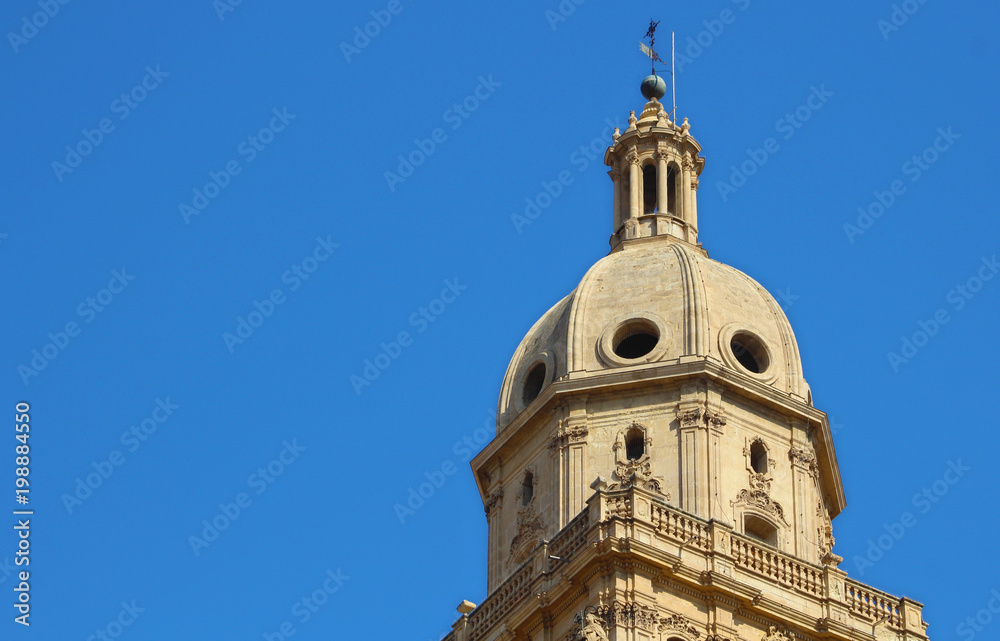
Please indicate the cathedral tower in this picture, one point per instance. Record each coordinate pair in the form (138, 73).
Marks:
(659, 472)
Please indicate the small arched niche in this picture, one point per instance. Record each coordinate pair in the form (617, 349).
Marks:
(758, 457)
(649, 187)
(635, 443)
(527, 488)
(673, 178)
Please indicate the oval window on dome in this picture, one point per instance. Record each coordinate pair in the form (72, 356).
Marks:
(533, 383)
(750, 352)
(635, 339)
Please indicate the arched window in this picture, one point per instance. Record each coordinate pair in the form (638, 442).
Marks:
(672, 190)
(649, 189)
(527, 488)
(635, 444)
(758, 457)
(760, 529)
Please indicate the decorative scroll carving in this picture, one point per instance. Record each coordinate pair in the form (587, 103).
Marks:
(638, 472)
(806, 458)
(530, 532)
(761, 500)
(760, 481)
(567, 434)
(690, 418)
(695, 183)
(678, 624)
(715, 419)
(629, 615)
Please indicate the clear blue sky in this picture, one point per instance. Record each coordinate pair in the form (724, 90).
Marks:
(198, 89)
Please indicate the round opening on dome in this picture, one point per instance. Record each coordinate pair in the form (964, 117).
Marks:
(635, 339)
(750, 352)
(533, 383)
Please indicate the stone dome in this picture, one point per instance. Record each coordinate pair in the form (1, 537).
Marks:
(650, 303)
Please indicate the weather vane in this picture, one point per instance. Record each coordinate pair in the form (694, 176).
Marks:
(654, 57)
(651, 34)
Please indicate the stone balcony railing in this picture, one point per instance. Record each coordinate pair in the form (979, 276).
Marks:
(697, 550)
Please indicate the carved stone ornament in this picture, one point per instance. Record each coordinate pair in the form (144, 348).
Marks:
(694, 184)
(493, 500)
(530, 532)
(630, 615)
(632, 120)
(715, 419)
(638, 472)
(690, 418)
(678, 624)
(566, 435)
(759, 481)
(804, 457)
(761, 500)
(774, 633)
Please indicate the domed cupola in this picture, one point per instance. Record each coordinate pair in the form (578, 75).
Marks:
(657, 298)
(663, 369)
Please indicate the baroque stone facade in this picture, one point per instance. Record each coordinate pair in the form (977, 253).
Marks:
(659, 471)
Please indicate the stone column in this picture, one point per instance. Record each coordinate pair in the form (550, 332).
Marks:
(804, 473)
(569, 446)
(634, 186)
(494, 509)
(690, 188)
(616, 179)
(691, 417)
